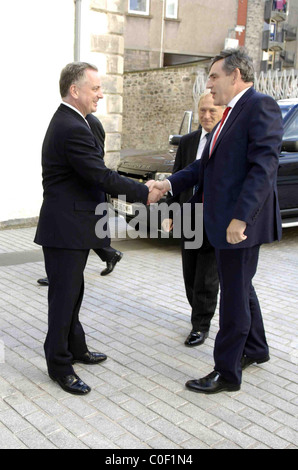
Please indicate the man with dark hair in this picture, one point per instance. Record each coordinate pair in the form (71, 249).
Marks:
(236, 177)
(75, 180)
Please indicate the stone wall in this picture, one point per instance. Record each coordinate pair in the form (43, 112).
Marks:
(254, 31)
(153, 105)
(108, 42)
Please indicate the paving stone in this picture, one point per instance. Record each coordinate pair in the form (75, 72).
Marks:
(139, 316)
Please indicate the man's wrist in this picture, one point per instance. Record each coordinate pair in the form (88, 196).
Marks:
(167, 185)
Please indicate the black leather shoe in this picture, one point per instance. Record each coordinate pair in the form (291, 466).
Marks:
(43, 282)
(90, 358)
(72, 384)
(212, 383)
(112, 263)
(195, 338)
(247, 361)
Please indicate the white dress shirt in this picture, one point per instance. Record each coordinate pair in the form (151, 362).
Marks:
(202, 143)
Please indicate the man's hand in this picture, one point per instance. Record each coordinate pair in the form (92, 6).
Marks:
(154, 195)
(167, 225)
(163, 186)
(156, 190)
(235, 231)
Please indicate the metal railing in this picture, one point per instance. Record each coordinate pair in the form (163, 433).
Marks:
(279, 85)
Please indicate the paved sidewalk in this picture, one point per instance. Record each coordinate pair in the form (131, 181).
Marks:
(139, 317)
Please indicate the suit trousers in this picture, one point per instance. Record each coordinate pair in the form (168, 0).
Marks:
(105, 254)
(201, 283)
(65, 338)
(241, 330)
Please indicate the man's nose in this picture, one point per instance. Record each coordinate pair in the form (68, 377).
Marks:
(206, 115)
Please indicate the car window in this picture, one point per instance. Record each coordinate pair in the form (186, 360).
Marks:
(185, 127)
(291, 130)
(285, 110)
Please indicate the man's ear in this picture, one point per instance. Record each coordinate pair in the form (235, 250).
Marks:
(236, 75)
(73, 91)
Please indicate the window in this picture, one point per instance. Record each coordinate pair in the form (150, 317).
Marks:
(140, 7)
(291, 132)
(171, 9)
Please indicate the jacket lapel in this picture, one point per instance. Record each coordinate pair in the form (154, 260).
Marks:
(232, 117)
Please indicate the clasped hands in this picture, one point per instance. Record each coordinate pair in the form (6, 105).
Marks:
(156, 190)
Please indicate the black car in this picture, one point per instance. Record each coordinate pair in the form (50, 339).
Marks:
(143, 166)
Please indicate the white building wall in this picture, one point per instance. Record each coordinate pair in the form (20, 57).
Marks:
(36, 41)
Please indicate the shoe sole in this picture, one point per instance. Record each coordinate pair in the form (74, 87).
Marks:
(194, 345)
(89, 363)
(235, 388)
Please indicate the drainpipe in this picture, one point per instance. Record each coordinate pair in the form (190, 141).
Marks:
(241, 21)
(162, 34)
(77, 37)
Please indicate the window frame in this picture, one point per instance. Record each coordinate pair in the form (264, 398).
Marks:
(175, 14)
(137, 12)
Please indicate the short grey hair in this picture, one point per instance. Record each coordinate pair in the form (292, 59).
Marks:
(236, 59)
(204, 94)
(73, 73)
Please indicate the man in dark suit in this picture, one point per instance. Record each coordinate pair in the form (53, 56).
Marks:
(236, 179)
(75, 180)
(107, 253)
(199, 266)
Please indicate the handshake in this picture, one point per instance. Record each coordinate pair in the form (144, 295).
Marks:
(156, 190)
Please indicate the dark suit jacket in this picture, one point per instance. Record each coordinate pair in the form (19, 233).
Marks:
(239, 179)
(75, 180)
(98, 130)
(186, 154)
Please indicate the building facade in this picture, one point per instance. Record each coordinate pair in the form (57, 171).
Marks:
(38, 38)
(279, 39)
(160, 33)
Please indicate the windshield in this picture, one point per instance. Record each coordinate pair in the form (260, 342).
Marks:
(285, 109)
(291, 128)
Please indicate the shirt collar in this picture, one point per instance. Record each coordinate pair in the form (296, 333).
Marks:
(236, 98)
(203, 134)
(75, 109)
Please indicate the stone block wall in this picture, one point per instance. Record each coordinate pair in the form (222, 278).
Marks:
(110, 44)
(254, 31)
(153, 105)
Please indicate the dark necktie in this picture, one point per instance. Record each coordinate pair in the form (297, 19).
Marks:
(219, 127)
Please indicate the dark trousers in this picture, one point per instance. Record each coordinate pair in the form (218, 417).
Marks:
(106, 254)
(65, 338)
(201, 283)
(241, 329)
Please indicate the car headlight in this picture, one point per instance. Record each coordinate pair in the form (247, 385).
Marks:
(162, 176)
